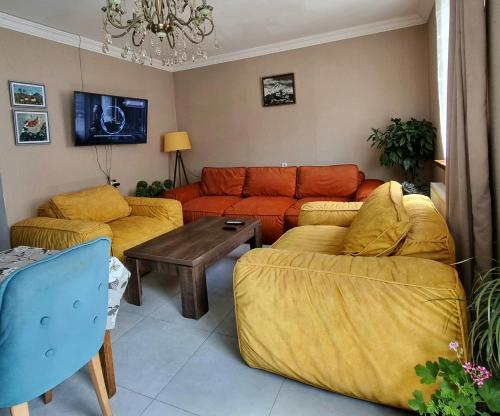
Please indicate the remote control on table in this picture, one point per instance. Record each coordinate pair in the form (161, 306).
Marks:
(234, 222)
(229, 228)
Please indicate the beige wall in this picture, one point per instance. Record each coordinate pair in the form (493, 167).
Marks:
(494, 58)
(33, 173)
(343, 89)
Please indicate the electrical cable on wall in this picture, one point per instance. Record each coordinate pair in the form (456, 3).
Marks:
(106, 170)
(108, 151)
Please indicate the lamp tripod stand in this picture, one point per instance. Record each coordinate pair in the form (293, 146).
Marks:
(178, 164)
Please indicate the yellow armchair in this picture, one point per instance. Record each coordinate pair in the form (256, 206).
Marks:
(71, 219)
(352, 324)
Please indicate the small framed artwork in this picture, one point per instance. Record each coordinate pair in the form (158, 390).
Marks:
(27, 95)
(278, 90)
(31, 127)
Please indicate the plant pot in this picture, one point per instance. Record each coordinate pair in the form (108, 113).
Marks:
(411, 188)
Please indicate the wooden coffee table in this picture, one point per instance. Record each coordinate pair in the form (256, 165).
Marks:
(187, 252)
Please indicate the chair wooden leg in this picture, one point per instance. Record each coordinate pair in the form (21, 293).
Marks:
(106, 356)
(97, 378)
(47, 396)
(20, 410)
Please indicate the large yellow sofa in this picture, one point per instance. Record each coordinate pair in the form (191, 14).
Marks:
(70, 219)
(352, 299)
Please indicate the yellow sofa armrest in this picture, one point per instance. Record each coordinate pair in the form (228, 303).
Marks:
(329, 213)
(354, 325)
(161, 208)
(56, 234)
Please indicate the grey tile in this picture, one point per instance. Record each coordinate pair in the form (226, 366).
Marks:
(161, 409)
(216, 381)
(220, 305)
(220, 274)
(297, 399)
(228, 326)
(147, 357)
(76, 397)
(124, 322)
(157, 288)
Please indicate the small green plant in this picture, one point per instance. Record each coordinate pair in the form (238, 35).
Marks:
(466, 389)
(155, 190)
(405, 143)
(485, 327)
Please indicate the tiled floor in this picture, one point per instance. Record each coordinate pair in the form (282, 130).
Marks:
(167, 365)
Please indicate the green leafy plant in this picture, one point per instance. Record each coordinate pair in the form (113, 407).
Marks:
(485, 327)
(155, 190)
(466, 389)
(405, 143)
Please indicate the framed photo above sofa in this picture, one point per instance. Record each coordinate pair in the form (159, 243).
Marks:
(278, 90)
(31, 127)
(27, 95)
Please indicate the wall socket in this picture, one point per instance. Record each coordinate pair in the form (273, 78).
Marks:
(284, 164)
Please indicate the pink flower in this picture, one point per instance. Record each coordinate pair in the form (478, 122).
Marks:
(454, 345)
(479, 374)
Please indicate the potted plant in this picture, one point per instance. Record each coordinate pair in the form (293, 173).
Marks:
(155, 190)
(466, 389)
(407, 144)
(485, 326)
(469, 388)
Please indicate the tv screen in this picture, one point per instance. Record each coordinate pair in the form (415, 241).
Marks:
(107, 119)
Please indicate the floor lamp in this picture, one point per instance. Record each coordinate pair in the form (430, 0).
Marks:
(175, 142)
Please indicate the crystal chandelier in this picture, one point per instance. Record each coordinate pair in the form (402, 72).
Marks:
(159, 29)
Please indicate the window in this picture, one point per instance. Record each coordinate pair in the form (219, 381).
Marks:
(443, 35)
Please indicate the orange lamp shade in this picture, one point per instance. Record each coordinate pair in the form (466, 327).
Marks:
(174, 141)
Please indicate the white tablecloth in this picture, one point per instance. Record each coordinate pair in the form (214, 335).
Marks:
(11, 260)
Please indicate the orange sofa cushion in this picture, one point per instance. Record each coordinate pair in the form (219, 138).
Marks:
(337, 180)
(292, 213)
(270, 181)
(222, 181)
(207, 206)
(270, 211)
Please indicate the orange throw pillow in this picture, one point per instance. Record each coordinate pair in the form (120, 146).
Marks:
(222, 181)
(272, 181)
(336, 180)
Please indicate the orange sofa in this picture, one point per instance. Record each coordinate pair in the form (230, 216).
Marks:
(272, 194)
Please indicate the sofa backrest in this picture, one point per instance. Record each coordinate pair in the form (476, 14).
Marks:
(429, 236)
(270, 181)
(222, 181)
(329, 181)
(100, 204)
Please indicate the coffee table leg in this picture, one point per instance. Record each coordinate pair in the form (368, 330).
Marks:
(193, 291)
(256, 240)
(134, 287)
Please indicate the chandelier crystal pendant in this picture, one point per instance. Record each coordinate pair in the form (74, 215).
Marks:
(159, 29)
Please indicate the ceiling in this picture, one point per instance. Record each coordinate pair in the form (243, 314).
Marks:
(247, 26)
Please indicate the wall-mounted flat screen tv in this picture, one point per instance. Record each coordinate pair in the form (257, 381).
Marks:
(107, 119)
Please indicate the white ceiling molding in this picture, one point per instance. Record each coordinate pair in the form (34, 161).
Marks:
(425, 8)
(30, 28)
(35, 29)
(336, 35)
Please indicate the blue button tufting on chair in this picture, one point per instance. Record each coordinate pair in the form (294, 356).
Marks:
(52, 321)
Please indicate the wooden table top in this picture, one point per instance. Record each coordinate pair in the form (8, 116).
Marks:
(194, 243)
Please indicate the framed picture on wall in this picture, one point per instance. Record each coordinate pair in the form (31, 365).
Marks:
(27, 95)
(31, 127)
(278, 90)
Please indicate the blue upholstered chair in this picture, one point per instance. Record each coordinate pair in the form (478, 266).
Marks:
(52, 322)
